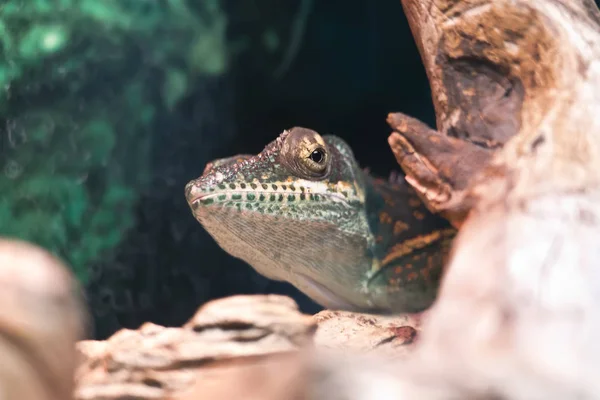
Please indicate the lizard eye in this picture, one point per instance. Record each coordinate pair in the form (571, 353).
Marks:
(315, 159)
(305, 154)
(318, 155)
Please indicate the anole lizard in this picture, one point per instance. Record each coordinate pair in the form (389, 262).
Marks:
(303, 211)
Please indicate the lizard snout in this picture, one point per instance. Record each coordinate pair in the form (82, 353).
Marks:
(193, 192)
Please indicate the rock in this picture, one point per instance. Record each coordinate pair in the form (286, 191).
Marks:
(41, 318)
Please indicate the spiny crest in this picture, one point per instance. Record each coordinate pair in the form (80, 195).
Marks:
(232, 165)
(273, 148)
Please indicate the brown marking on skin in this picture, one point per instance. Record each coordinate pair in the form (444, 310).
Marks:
(446, 256)
(378, 239)
(414, 202)
(398, 270)
(389, 200)
(393, 284)
(408, 266)
(385, 218)
(430, 270)
(408, 246)
(399, 227)
(412, 276)
(418, 215)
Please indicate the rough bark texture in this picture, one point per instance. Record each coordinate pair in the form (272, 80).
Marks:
(240, 347)
(516, 87)
(499, 70)
(391, 337)
(157, 362)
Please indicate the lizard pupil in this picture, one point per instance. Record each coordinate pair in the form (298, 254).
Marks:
(317, 156)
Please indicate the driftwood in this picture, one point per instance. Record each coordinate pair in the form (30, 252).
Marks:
(238, 347)
(224, 339)
(515, 164)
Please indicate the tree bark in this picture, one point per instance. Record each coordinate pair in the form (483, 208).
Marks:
(515, 163)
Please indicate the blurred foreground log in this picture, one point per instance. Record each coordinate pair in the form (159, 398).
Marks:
(41, 318)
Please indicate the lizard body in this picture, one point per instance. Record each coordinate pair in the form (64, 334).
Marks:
(303, 211)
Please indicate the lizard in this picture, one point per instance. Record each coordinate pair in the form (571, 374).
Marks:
(305, 212)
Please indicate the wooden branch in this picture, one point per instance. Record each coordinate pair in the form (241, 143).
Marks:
(240, 347)
(442, 185)
(501, 70)
(515, 163)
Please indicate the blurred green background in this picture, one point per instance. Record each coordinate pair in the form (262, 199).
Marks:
(107, 109)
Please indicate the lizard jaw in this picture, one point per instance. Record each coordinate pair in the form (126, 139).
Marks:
(272, 194)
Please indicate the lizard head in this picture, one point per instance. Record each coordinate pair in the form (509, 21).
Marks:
(295, 211)
(300, 174)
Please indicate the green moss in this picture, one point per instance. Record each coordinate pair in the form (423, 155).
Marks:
(174, 87)
(82, 83)
(43, 39)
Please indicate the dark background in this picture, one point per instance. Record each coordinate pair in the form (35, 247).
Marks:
(356, 61)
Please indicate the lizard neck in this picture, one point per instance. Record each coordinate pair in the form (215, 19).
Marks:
(409, 246)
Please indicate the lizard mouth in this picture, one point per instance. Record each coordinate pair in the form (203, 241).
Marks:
(197, 195)
(202, 200)
(195, 198)
(274, 197)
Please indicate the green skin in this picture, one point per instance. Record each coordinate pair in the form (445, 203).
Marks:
(303, 211)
